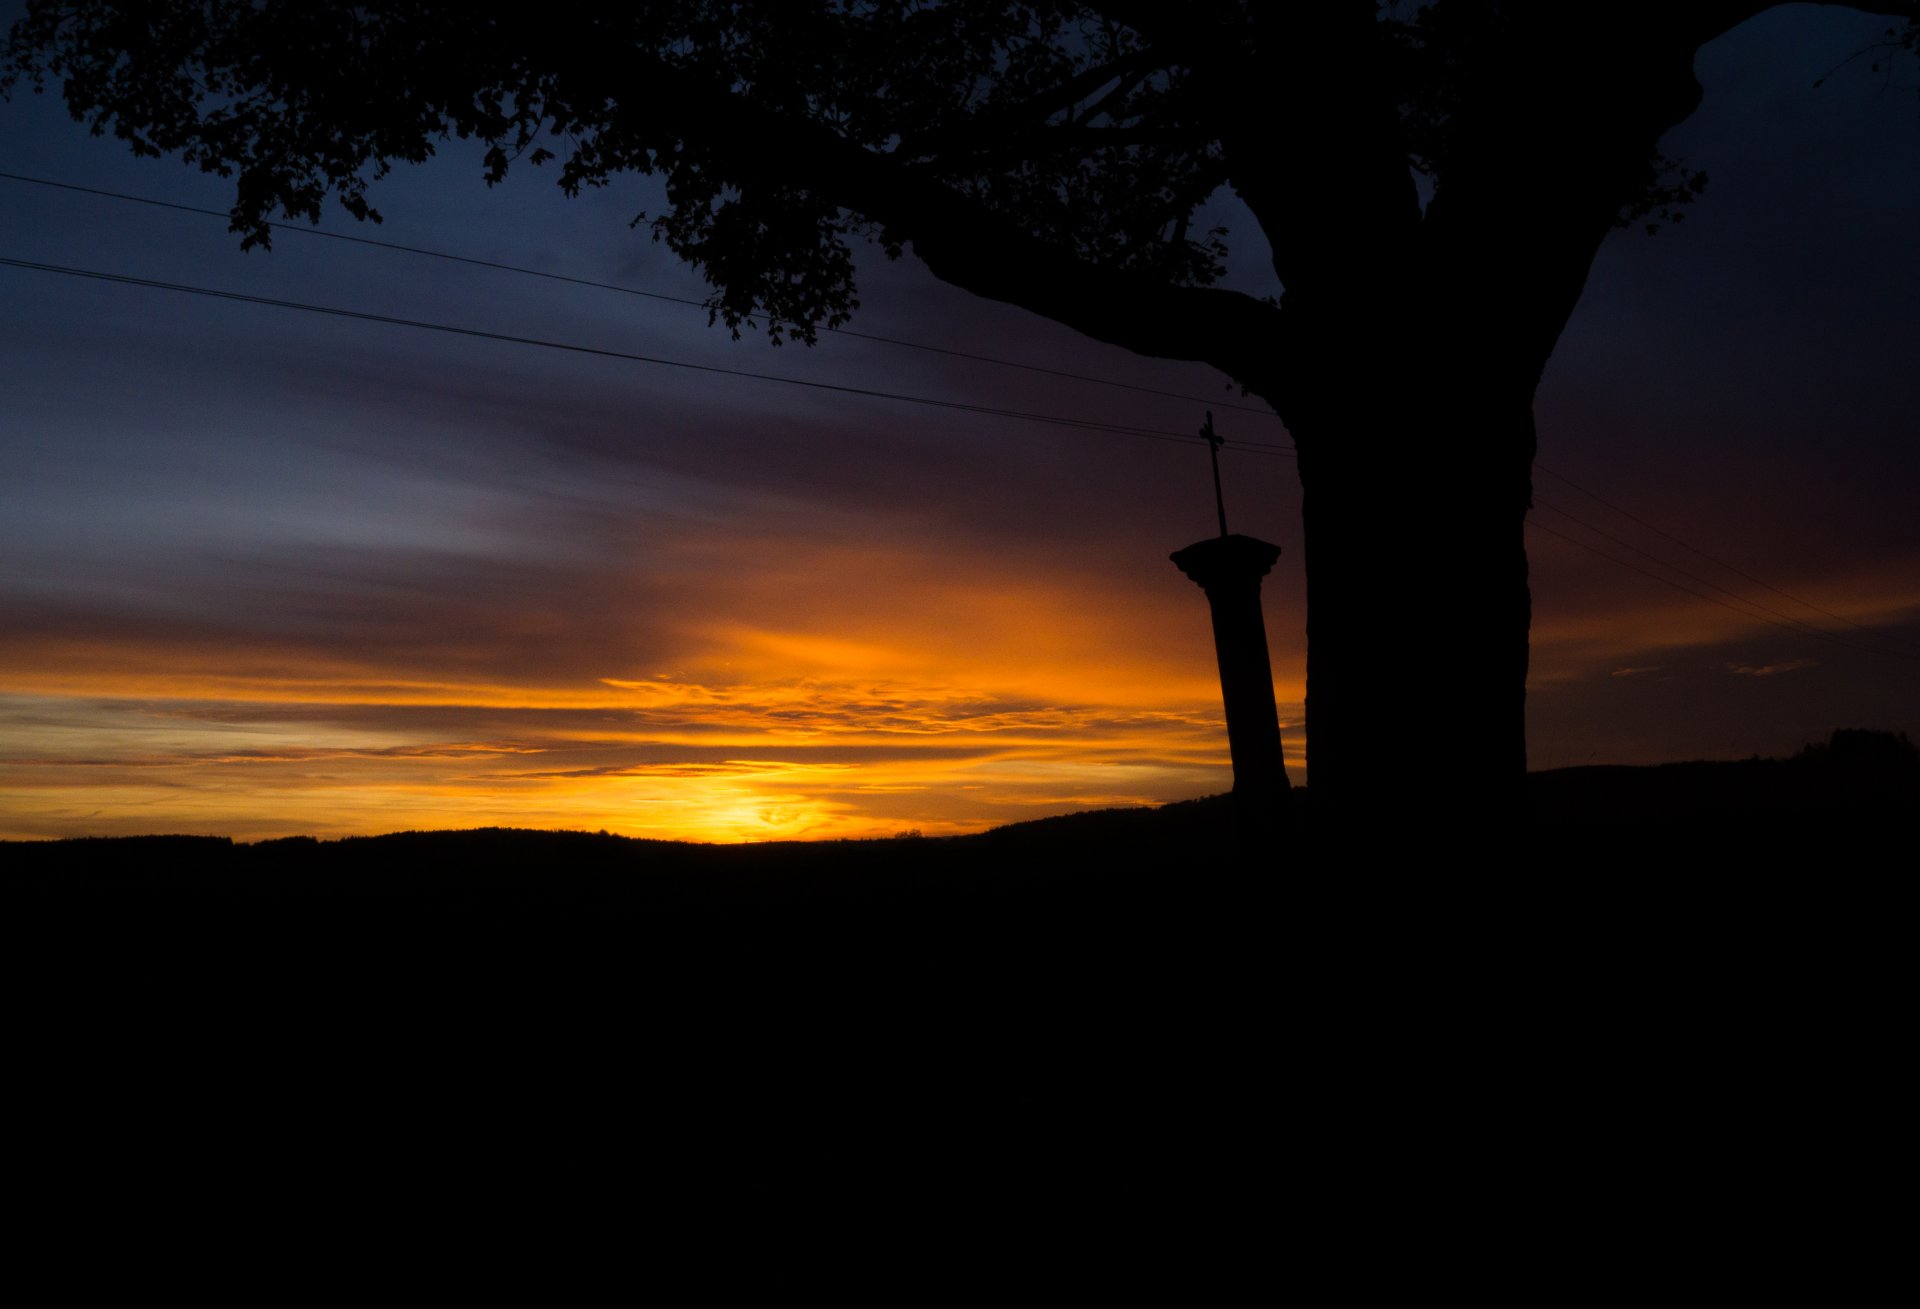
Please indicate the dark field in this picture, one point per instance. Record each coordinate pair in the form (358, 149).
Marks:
(1671, 1012)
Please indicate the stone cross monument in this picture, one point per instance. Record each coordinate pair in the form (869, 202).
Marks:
(1229, 569)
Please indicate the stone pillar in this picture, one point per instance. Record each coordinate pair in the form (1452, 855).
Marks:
(1229, 569)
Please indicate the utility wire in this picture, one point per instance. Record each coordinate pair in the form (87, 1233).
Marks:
(1712, 559)
(1632, 567)
(1766, 613)
(1801, 624)
(1252, 446)
(1259, 446)
(1712, 599)
(629, 290)
(1057, 420)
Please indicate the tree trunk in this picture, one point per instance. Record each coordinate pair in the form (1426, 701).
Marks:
(1418, 607)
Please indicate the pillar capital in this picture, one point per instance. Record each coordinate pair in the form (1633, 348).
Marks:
(1227, 561)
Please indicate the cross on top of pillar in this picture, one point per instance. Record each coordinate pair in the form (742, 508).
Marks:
(1214, 442)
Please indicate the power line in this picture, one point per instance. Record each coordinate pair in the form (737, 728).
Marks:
(1791, 623)
(1812, 629)
(1711, 599)
(1057, 420)
(1712, 559)
(1678, 586)
(635, 291)
(1251, 446)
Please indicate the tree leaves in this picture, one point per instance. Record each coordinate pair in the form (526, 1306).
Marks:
(1045, 114)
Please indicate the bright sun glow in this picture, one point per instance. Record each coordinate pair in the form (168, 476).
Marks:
(801, 729)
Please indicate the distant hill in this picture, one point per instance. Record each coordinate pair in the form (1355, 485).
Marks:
(1858, 781)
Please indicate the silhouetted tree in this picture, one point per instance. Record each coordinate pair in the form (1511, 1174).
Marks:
(1861, 749)
(1053, 155)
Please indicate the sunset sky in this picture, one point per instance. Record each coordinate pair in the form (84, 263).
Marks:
(266, 572)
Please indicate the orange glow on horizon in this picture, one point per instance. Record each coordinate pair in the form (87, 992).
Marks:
(941, 708)
(1645, 622)
(912, 697)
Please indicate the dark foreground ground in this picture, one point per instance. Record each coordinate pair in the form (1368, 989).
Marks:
(1664, 1029)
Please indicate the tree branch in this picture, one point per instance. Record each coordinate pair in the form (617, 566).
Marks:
(993, 123)
(1710, 21)
(1544, 156)
(1312, 132)
(965, 243)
